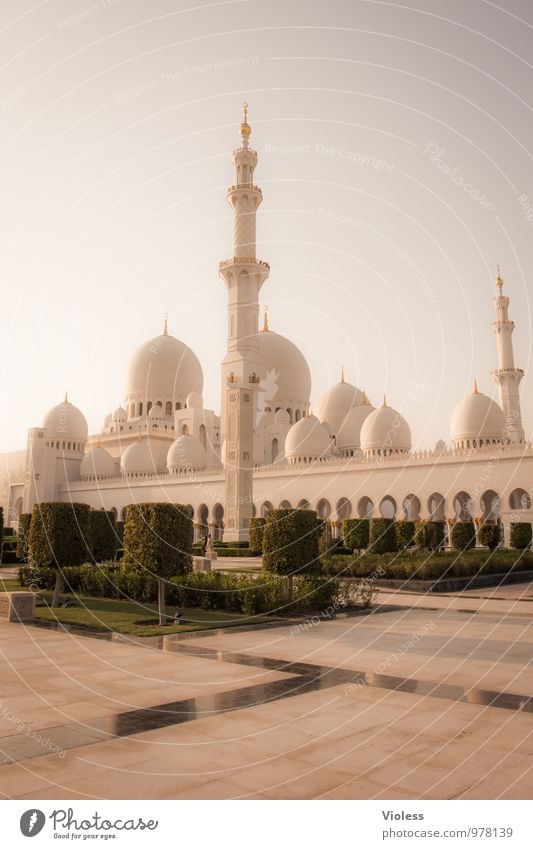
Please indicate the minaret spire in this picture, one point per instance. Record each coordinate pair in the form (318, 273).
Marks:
(507, 376)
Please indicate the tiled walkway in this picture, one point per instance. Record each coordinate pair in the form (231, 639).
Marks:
(416, 702)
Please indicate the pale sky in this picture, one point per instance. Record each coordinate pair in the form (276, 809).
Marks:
(396, 167)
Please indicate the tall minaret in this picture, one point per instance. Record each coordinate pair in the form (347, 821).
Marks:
(506, 375)
(244, 276)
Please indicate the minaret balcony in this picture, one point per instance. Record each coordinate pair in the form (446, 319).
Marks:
(502, 371)
(250, 187)
(243, 260)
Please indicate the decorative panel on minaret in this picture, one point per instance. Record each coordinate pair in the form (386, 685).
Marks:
(239, 461)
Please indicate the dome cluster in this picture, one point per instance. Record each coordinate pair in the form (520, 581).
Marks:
(347, 425)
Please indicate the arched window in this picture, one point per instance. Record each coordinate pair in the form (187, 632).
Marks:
(168, 408)
(519, 500)
(365, 507)
(140, 408)
(178, 405)
(274, 451)
(463, 505)
(149, 406)
(202, 435)
(344, 508)
(387, 507)
(411, 508)
(323, 509)
(437, 507)
(185, 430)
(266, 508)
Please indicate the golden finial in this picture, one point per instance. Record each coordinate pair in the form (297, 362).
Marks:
(66, 397)
(384, 400)
(246, 130)
(499, 280)
(342, 375)
(165, 325)
(266, 326)
(365, 402)
(476, 390)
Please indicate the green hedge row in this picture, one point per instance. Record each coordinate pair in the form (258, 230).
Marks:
(424, 567)
(244, 594)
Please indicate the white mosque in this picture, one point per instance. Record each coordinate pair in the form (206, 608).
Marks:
(266, 449)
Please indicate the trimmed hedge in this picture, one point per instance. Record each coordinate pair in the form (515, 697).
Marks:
(425, 567)
(158, 539)
(463, 536)
(490, 536)
(58, 535)
(257, 527)
(291, 542)
(382, 536)
(103, 540)
(521, 535)
(435, 535)
(405, 534)
(356, 533)
(23, 537)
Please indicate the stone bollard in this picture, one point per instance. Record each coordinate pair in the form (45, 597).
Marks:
(201, 564)
(18, 606)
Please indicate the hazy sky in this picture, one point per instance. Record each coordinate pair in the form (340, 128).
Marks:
(396, 167)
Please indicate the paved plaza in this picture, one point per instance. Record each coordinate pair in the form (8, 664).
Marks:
(431, 699)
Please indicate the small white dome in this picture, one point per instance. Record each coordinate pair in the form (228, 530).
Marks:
(97, 463)
(186, 453)
(119, 415)
(282, 417)
(307, 440)
(477, 419)
(194, 399)
(385, 431)
(335, 405)
(65, 421)
(143, 458)
(156, 412)
(349, 434)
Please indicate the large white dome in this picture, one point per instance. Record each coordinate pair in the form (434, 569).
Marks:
(337, 402)
(307, 441)
(66, 422)
(477, 420)
(186, 453)
(143, 458)
(286, 375)
(98, 463)
(349, 433)
(163, 369)
(384, 432)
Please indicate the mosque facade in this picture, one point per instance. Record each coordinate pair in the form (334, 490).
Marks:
(266, 449)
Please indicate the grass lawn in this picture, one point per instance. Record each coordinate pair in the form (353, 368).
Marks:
(126, 617)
